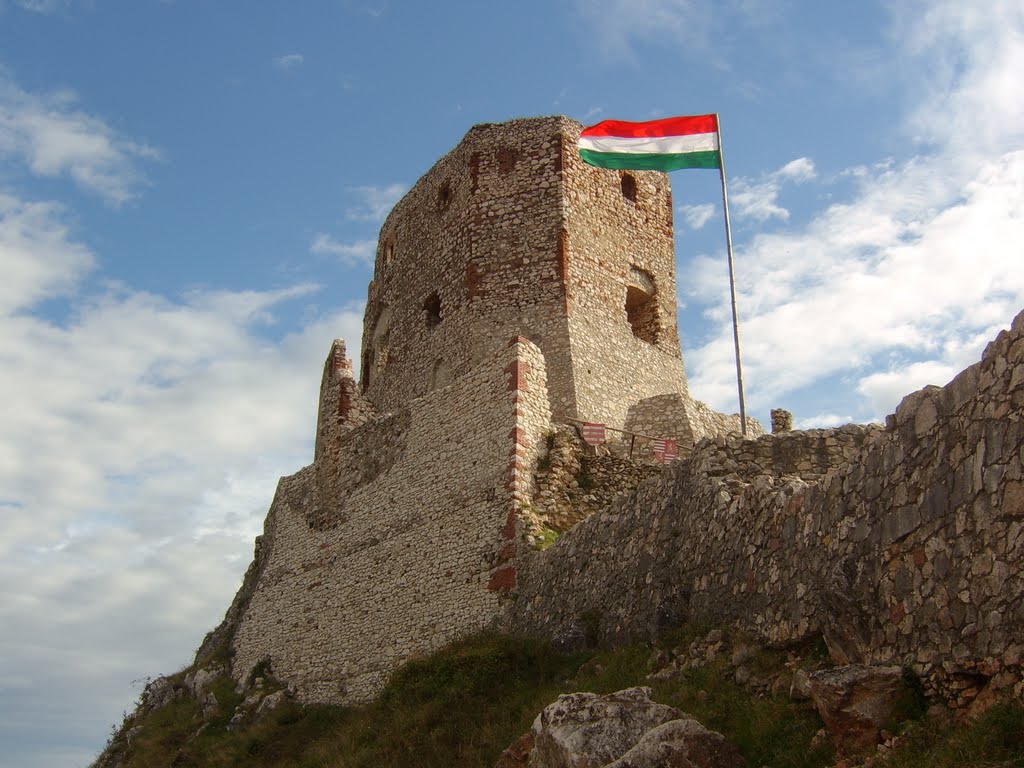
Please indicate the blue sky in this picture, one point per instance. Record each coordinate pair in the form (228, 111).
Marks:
(190, 194)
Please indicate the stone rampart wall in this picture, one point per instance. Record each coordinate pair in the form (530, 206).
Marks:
(706, 422)
(901, 544)
(402, 539)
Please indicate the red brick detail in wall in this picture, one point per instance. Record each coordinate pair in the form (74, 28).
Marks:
(518, 370)
(503, 579)
(520, 436)
(920, 557)
(344, 401)
(473, 281)
(509, 531)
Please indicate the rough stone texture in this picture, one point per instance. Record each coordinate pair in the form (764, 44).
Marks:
(511, 233)
(407, 530)
(584, 730)
(856, 702)
(406, 549)
(902, 545)
(625, 729)
(681, 744)
(413, 525)
(575, 480)
(782, 420)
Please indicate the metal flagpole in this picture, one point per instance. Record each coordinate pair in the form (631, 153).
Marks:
(732, 279)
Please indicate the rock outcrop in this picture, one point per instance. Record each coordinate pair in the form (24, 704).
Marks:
(625, 729)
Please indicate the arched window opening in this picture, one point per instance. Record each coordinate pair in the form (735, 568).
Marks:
(375, 357)
(444, 196)
(389, 251)
(432, 309)
(642, 306)
(628, 184)
(366, 370)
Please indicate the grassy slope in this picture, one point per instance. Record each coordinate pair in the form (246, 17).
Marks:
(463, 706)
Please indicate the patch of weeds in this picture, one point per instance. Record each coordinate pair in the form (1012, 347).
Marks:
(548, 536)
(768, 730)
(994, 740)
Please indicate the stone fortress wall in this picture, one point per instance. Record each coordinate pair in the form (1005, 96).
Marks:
(517, 290)
(902, 544)
(380, 551)
(514, 286)
(512, 234)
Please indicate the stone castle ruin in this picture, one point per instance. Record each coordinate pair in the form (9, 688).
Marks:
(518, 293)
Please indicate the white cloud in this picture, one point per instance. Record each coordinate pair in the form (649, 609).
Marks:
(902, 285)
(353, 254)
(696, 216)
(801, 169)
(758, 199)
(54, 138)
(618, 24)
(372, 9)
(699, 28)
(141, 442)
(822, 421)
(43, 6)
(288, 61)
(38, 259)
(375, 202)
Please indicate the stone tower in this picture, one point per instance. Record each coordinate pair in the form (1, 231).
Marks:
(515, 289)
(511, 234)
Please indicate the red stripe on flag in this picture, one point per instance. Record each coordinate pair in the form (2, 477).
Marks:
(670, 126)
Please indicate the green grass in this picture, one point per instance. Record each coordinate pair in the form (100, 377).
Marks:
(994, 740)
(463, 706)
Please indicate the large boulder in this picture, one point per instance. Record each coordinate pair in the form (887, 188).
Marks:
(584, 730)
(681, 744)
(625, 729)
(856, 702)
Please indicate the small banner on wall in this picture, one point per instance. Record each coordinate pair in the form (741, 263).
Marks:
(665, 450)
(593, 434)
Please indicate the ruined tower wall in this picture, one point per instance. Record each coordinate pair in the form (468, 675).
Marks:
(512, 234)
(415, 517)
(622, 289)
(401, 538)
(480, 231)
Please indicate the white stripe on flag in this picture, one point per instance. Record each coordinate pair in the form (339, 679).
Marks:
(654, 145)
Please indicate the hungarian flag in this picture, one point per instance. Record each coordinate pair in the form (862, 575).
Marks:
(658, 145)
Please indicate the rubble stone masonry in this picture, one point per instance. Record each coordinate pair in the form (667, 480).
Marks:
(517, 292)
(901, 544)
(513, 285)
(408, 546)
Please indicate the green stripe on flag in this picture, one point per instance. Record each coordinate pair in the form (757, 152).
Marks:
(652, 162)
